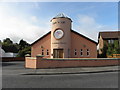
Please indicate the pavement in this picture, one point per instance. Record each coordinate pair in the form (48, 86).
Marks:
(18, 68)
(77, 70)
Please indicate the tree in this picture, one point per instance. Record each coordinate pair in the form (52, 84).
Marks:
(24, 48)
(116, 44)
(109, 49)
(113, 48)
(9, 46)
(23, 44)
(23, 52)
(7, 41)
(104, 50)
(0, 42)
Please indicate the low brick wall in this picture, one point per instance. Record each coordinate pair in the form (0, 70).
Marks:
(4, 59)
(73, 62)
(30, 62)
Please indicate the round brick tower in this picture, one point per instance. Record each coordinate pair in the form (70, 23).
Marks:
(61, 37)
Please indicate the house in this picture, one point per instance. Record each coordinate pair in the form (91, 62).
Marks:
(107, 37)
(63, 42)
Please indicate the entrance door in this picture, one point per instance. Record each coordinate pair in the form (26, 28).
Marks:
(57, 53)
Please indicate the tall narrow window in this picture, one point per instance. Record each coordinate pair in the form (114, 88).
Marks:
(68, 53)
(42, 52)
(47, 52)
(112, 41)
(75, 52)
(81, 52)
(88, 52)
(108, 41)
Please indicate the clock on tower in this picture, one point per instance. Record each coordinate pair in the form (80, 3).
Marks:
(58, 34)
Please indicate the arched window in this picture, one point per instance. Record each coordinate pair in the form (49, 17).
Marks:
(88, 52)
(81, 52)
(42, 51)
(75, 52)
(47, 52)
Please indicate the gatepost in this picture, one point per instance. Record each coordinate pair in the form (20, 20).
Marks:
(39, 57)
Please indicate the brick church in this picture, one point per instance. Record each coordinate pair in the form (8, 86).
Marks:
(63, 42)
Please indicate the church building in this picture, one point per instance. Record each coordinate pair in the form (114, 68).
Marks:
(63, 42)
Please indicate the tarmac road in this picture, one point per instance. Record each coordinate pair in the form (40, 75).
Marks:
(84, 80)
(98, 80)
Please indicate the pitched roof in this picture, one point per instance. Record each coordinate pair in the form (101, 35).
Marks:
(71, 31)
(41, 38)
(84, 36)
(109, 34)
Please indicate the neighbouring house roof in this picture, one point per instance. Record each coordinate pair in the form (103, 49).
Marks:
(109, 34)
(71, 31)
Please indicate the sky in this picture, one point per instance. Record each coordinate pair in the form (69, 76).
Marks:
(31, 20)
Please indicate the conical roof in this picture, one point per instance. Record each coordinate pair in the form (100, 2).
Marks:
(61, 15)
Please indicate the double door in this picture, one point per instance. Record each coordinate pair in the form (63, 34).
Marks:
(57, 53)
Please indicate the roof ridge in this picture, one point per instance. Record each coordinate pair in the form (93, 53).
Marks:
(108, 31)
(71, 31)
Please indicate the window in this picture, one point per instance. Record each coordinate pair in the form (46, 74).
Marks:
(42, 52)
(111, 41)
(68, 52)
(63, 22)
(108, 41)
(88, 52)
(75, 52)
(47, 52)
(81, 52)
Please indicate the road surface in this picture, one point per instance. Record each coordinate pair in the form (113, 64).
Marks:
(88, 80)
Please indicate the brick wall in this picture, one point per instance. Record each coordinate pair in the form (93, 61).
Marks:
(53, 63)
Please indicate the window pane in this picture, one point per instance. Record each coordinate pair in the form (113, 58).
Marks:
(81, 52)
(88, 53)
(42, 52)
(75, 52)
(47, 52)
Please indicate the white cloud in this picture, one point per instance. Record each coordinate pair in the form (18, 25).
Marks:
(89, 27)
(34, 19)
(18, 28)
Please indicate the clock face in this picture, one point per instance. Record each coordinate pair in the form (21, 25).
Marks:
(58, 34)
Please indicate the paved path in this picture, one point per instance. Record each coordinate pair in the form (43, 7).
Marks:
(17, 68)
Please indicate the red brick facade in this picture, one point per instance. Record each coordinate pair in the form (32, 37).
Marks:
(78, 42)
(69, 45)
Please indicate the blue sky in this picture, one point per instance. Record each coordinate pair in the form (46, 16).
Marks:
(31, 20)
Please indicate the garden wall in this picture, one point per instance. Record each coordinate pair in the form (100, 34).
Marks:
(39, 62)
